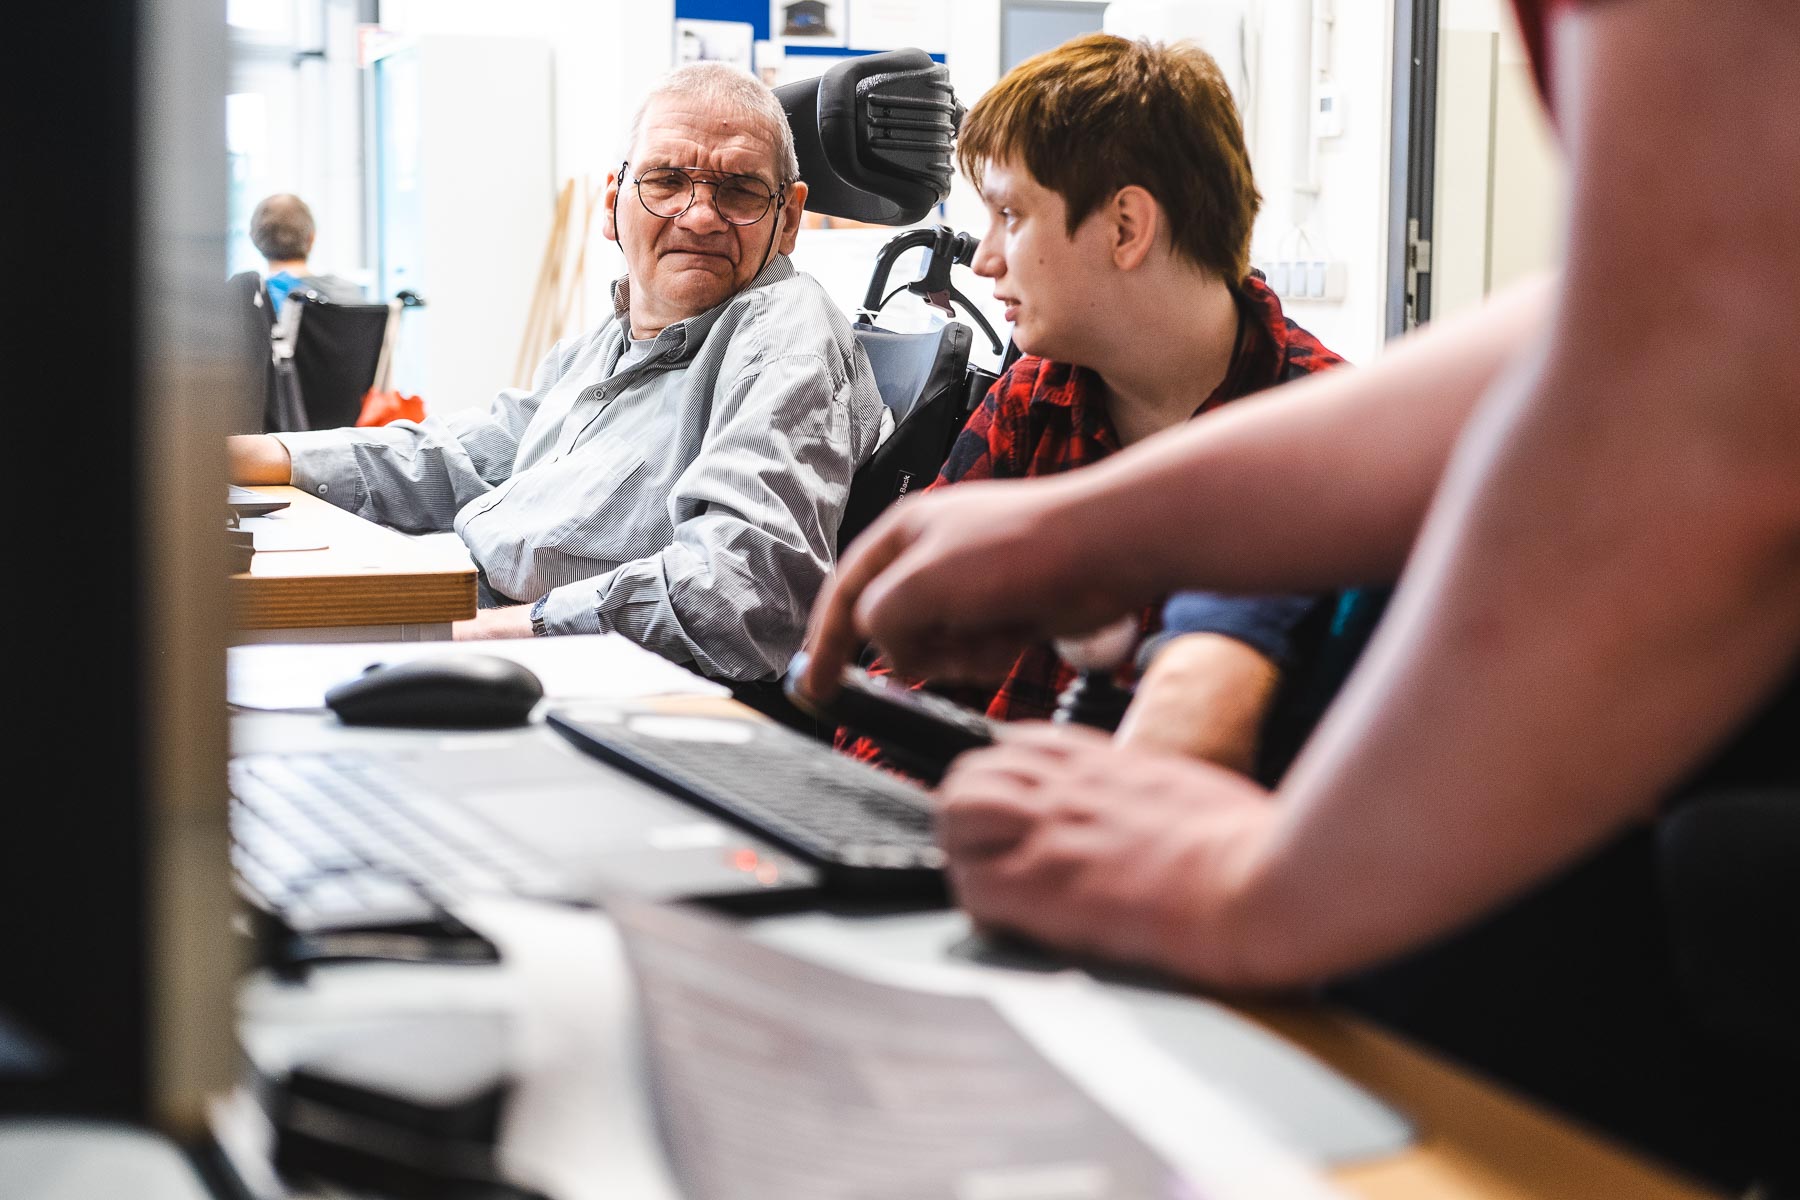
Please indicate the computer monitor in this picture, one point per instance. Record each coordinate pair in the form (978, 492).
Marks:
(116, 954)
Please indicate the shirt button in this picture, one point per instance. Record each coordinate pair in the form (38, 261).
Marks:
(323, 488)
(599, 393)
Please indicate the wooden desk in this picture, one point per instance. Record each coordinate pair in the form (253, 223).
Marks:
(1476, 1141)
(1473, 1139)
(368, 583)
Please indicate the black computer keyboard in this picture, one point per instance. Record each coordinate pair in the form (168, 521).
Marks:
(333, 842)
(867, 830)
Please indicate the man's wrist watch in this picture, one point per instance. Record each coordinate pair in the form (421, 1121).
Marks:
(537, 616)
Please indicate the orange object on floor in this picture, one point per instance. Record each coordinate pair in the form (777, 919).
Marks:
(380, 407)
(381, 403)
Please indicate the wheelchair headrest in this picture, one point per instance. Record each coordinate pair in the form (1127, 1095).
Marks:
(874, 136)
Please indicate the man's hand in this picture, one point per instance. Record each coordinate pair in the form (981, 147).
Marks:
(257, 458)
(1059, 835)
(510, 622)
(952, 585)
(1206, 696)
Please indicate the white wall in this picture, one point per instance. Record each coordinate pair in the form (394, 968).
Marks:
(1500, 174)
(605, 55)
(1530, 174)
(301, 131)
(485, 170)
(1463, 200)
(332, 156)
(1347, 220)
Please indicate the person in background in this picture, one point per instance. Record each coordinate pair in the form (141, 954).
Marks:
(1120, 200)
(1589, 492)
(677, 474)
(282, 230)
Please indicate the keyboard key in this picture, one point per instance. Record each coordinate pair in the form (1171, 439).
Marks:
(334, 841)
(869, 828)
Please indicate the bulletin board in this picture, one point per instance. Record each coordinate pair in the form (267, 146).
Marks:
(798, 39)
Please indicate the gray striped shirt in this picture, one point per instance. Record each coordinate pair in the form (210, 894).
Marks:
(689, 500)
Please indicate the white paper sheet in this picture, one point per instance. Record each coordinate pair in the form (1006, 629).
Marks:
(897, 24)
(272, 536)
(1219, 1150)
(1213, 1144)
(572, 667)
(777, 1076)
(715, 41)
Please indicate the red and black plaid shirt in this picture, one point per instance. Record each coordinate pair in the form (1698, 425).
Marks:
(1044, 417)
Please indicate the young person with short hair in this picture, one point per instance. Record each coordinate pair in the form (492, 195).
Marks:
(1121, 202)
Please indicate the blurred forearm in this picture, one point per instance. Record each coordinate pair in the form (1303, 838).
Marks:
(257, 458)
(1313, 485)
(1610, 581)
(1204, 695)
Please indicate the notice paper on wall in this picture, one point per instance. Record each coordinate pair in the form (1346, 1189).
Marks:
(599, 666)
(776, 1076)
(895, 24)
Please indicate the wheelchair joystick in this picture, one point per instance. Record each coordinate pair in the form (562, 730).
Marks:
(1095, 698)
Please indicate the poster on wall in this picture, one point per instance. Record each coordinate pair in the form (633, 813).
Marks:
(895, 24)
(808, 22)
(769, 61)
(715, 41)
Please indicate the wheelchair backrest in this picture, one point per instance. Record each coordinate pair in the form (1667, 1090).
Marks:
(926, 382)
(335, 350)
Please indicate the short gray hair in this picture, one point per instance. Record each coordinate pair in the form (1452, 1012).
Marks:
(282, 227)
(725, 86)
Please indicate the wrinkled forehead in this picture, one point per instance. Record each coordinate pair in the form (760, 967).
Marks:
(689, 131)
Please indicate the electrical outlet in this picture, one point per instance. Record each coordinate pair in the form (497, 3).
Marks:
(1314, 279)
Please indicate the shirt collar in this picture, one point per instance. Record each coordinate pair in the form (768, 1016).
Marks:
(689, 333)
(1267, 336)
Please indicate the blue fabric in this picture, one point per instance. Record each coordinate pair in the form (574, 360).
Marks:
(279, 285)
(331, 288)
(1264, 623)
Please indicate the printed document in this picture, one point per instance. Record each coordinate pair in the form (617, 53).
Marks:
(776, 1076)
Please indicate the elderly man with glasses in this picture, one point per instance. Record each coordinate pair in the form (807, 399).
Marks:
(676, 475)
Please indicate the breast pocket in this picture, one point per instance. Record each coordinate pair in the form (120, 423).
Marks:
(595, 498)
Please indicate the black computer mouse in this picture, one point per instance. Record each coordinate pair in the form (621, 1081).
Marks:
(452, 691)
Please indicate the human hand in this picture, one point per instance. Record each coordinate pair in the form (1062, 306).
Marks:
(1059, 835)
(257, 458)
(953, 584)
(513, 621)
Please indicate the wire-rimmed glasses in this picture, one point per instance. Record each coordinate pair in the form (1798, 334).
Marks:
(668, 192)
